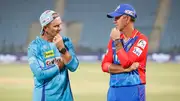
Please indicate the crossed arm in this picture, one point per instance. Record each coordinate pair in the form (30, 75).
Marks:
(114, 69)
(109, 67)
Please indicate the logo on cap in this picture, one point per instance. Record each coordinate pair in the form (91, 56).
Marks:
(129, 12)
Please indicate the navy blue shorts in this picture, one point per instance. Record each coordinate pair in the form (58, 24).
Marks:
(130, 93)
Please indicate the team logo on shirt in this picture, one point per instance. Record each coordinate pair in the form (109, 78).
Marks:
(137, 51)
(49, 54)
(141, 43)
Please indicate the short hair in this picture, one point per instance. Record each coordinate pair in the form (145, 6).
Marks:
(133, 19)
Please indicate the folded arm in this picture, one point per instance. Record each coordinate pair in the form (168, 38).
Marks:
(37, 66)
(108, 66)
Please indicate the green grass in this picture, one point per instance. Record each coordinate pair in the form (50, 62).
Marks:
(89, 83)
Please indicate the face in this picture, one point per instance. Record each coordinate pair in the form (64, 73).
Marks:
(54, 28)
(121, 22)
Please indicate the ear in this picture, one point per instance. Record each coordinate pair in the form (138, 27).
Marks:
(45, 28)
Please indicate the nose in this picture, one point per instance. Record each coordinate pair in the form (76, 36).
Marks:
(114, 21)
(59, 28)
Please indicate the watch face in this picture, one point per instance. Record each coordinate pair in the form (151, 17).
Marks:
(63, 50)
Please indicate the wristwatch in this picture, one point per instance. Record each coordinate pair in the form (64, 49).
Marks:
(116, 41)
(62, 50)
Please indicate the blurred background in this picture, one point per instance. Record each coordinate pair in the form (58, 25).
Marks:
(85, 22)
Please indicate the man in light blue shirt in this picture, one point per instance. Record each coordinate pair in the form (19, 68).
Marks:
(50, 57)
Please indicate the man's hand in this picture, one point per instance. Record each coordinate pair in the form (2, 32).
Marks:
(58, 41)
(134, 66)
(59, 62)
(115, 34)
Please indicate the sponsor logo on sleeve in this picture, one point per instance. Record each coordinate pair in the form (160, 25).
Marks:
(137, 51)
(141, 43)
